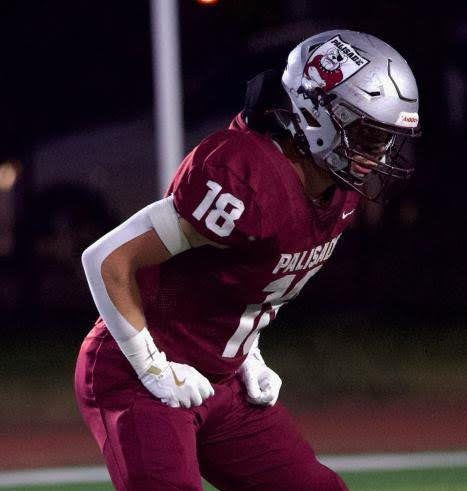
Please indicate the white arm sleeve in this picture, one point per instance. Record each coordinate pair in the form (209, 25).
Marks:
(160, 216)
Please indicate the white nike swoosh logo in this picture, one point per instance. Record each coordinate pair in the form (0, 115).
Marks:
(345, 214)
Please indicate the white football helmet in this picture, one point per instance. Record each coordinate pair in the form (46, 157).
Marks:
(352, 96)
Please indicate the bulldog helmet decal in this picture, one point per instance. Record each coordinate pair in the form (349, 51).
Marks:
(331, 63)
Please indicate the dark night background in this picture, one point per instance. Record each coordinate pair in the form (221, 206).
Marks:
(76, 100)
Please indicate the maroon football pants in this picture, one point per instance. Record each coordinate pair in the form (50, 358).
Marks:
(149, 446)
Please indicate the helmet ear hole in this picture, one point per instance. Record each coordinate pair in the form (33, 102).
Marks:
(311, 121)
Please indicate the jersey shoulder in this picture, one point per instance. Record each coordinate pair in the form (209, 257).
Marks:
(241, 153)
(215, 188)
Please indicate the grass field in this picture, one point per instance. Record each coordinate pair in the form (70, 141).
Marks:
(433, 479)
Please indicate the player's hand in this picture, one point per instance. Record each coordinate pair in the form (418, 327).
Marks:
(262, 384)
(177, 385)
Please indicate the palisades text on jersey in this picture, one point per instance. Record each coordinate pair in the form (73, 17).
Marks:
(306, 259)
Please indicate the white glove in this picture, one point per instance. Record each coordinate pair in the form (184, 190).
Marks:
(175, 384)
(262, 384)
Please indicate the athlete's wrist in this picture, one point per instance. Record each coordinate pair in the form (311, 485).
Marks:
(254, 356)
(142, 353)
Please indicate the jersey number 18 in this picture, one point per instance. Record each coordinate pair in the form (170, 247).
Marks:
(219, 220)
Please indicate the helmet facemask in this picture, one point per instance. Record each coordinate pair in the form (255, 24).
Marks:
(375, 158)
(359, 152)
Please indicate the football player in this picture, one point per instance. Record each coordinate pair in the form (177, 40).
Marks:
(170, 380)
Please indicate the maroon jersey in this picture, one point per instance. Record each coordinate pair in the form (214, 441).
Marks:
(206, 306)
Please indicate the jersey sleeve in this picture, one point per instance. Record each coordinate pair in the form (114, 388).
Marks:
(214, 193)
